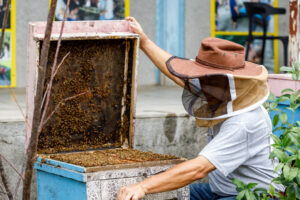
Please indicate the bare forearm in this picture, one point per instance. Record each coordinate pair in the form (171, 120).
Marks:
(159, 57)
(178, 176)
(236, 10)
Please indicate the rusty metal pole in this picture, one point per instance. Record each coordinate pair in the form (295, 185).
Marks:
(294, 32)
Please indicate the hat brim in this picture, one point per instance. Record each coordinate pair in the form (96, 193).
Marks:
(187, 68)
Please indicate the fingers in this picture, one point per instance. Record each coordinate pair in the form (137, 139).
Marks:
(135, 197)
(133, 27)
(125, 194)
(128, 196)
(132, 19)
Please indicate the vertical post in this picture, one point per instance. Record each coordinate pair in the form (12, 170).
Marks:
(294, 32)
(170, 27)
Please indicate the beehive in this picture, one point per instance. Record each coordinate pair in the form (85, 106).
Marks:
(86, 146)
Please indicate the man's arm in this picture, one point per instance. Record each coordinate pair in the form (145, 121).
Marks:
(176, 177)
(157, 55)
(236, 10)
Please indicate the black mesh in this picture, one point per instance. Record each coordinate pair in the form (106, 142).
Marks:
(207, 96)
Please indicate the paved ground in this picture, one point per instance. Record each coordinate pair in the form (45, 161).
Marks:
(9, 111)
(154, 101)
(158, 101)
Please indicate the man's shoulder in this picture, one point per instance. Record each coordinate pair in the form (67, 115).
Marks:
(254, 119)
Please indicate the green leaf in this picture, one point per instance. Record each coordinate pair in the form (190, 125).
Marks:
(277, 129)
(238, 183)
(276, 139)
(294, 107)
(294, 77)
(247, 194)
(283, 118)
(297, 163)
(277, 195)
(295, 137)
(293, 173)
(272, 97)
(286, 69)
(298, 93)
(295, 129)
(273, 105)
(289, 108)
(297, 191)
(293, 98)
(278, 167)
(286, 141)
(265, 197)
(287, 90)
(241, 195)
(277, 146)
(291, 158)
(292, 150)
(252, 196)
(272, 190)
(290, 192)
(279, 154)
(277, 180)
(260, 190)
(251, 185)
(286, 172)
(296, 65)
(282, 99)
(275, 120)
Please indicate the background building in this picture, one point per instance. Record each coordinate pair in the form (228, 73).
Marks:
(177, 25)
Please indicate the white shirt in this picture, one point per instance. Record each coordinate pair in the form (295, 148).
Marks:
(240, 148)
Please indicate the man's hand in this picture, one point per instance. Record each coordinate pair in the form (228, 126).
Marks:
(157, 55)
(174, 178)
(135, 27)
(132, 192)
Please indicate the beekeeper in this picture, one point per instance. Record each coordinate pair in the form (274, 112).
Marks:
(223, 92)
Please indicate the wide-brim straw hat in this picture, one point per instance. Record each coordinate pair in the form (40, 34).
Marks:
(219, 83)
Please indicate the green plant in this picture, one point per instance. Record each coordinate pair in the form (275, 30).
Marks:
(286, 147)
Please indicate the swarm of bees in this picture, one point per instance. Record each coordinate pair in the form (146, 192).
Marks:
(94, 68)
(108, 157)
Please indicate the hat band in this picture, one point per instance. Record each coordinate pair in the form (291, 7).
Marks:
(219, 66)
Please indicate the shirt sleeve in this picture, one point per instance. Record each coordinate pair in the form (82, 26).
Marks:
(228, 149)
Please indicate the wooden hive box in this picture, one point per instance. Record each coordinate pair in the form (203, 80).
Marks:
(86, 147)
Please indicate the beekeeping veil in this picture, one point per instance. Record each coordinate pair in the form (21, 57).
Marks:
(219, 83)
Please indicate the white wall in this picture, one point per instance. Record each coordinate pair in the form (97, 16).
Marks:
(197, 27)
(26, 11)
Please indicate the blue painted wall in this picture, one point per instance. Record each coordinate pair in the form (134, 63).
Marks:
(170, 27)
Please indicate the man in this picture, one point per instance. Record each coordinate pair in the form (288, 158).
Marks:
(234, 10)
(223, 92)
